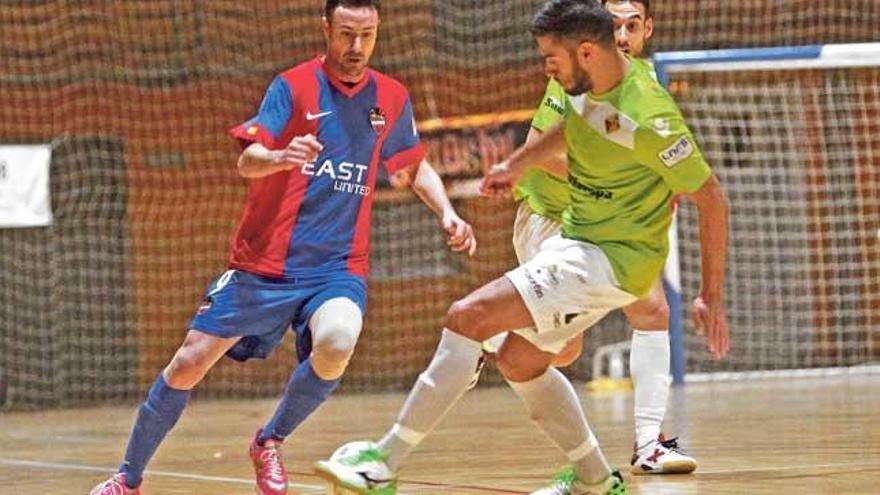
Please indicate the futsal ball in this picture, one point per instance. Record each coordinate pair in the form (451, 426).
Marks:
(373, 471)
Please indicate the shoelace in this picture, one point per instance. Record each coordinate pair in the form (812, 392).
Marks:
(671, 444)
(272, 462)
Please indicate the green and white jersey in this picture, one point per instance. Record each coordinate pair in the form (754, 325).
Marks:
(543, 192)
(629, 152)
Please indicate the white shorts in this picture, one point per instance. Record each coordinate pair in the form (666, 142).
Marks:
(530, 230)
(567, 287)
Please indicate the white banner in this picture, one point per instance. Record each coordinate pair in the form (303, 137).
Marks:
(24, 186)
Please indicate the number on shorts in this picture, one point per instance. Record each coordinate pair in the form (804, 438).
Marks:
(222, 282)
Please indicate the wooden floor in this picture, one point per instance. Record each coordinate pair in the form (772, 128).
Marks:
(815, 436)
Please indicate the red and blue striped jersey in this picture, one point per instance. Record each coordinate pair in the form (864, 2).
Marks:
(316, 218)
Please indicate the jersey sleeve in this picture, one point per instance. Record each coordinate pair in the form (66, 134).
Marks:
(403, 146)
(271, 119)
(552, 108)
(668, 147)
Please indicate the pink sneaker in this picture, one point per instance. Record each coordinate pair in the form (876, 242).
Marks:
(271, 475)
(115, 486)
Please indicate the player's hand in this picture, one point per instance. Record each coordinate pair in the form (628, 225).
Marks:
(301, 150)
(460, 235)
(710, 320)
(498, 181)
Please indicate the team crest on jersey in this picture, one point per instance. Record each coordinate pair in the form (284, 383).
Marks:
(377, 120)
(612, 123)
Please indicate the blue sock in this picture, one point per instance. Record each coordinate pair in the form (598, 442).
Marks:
(305, 392)
(156, 416)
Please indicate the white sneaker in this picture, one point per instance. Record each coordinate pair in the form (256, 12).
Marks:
(358, 467)
(567, 483)
(661, 456)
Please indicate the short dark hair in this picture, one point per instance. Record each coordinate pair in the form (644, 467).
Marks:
(586, 20)
(645, 3)
(331, 5)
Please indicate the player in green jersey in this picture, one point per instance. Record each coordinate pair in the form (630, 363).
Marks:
(542, 197)
(629, 152)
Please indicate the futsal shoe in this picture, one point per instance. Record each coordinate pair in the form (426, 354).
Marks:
(661, 456)
(269, 469)
(567, 483)
(115, 486)
(360, 468)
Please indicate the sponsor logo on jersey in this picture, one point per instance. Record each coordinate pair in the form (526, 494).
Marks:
(554, 104)
(597, 193)
(347, 177)
(680, 150)
(377, 120)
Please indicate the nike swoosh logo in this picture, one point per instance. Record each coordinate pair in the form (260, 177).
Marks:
(313, 116)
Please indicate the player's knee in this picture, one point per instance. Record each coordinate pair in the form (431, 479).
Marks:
(465, 317)
(335, 327)
(186, 368)
(330, 357)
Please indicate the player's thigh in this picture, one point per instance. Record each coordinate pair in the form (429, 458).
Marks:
(256, 308)
(198, 353)
(520, 360)
(488, 311)
(651, 312)
(567, 281)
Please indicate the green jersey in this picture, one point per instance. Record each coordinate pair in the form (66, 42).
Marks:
(629, 152)
(545, 193)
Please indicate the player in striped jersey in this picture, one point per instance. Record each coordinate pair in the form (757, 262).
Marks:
(313, 154)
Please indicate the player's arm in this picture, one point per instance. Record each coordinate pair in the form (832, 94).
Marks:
(428, 186)
(556, 165)
(258, 161)
(671, 150)
(404, 158)
(259, 137)
(546, 148)
(708, 311)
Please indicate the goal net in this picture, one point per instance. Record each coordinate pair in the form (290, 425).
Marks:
(793, 135)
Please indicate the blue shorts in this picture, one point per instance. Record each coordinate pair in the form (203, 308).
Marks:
(260, 309)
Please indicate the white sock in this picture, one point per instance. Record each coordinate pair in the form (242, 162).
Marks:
(555, 408)
(649, 368)
(437, 389)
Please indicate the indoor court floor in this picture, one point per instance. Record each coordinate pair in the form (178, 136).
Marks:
(792, 436)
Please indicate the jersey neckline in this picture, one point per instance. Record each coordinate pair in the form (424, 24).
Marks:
(348, 91)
